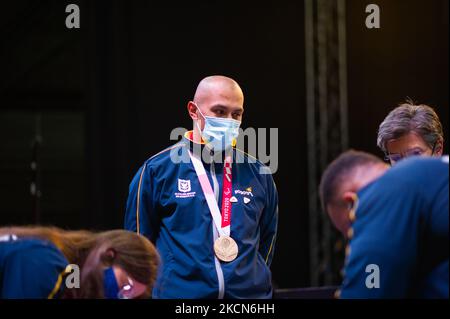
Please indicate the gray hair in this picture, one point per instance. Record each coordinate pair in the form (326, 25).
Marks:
(408, 117)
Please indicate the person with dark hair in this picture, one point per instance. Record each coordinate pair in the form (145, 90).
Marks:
(210, 209)
(410, 130)
(396, 221)
(113, 264)
(350, 172)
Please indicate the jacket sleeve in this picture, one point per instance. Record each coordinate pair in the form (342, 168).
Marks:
(34, 272)
(269, 222)
(140, 214)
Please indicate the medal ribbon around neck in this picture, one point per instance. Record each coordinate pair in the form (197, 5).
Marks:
(229, 251)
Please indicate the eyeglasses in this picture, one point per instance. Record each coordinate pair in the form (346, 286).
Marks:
(393, 158)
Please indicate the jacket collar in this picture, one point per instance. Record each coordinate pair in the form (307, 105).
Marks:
(201, 148)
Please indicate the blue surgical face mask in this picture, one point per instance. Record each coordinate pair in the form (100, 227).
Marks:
(219, 133)
(110, 286)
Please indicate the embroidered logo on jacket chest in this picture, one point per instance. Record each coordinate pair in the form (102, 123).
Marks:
(184, 189)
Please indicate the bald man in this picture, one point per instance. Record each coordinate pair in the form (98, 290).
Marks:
(207, 206)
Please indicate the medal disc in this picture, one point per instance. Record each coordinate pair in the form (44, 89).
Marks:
(226, 248)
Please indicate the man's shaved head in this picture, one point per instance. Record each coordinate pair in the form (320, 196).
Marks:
(217, 85)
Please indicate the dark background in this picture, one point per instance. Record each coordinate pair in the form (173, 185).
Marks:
(108, 95)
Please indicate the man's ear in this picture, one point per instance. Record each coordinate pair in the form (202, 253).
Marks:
(192, 110)
(349, 198)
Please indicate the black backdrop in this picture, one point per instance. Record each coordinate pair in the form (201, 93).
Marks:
(108, 95)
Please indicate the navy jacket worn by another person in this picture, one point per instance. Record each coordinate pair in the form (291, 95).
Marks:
(30, 268)
(399, 243)
(167, 205)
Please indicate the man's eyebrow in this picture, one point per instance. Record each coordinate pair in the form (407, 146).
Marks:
(223, 107)
(218, 106)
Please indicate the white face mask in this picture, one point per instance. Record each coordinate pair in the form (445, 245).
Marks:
(219, 133)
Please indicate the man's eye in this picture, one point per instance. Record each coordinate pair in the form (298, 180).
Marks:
(219, 112)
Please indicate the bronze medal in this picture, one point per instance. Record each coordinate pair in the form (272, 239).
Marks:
(226, 248)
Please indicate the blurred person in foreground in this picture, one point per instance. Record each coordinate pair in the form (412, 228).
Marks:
(35, 261)
(396, 222)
